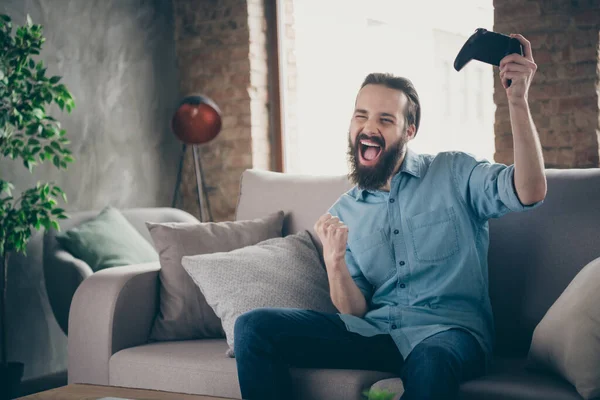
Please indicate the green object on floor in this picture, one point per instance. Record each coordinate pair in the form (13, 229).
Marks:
(108, 240)
(375, 394)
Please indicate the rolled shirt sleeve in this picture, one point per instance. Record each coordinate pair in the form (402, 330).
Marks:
(488, 188)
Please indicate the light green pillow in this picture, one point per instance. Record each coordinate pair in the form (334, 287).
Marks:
(108, 240)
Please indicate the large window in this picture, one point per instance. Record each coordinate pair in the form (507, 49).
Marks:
(338, 42)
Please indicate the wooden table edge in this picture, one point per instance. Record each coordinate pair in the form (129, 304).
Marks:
(82, 391)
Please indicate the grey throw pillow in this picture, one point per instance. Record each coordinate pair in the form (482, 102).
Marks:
(184, 313)
(282, 272)
(567, 339)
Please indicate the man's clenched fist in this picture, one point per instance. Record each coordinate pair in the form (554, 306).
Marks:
(334, 235)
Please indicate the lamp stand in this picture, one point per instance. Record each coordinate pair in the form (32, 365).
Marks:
(205, 212)
(178, 180)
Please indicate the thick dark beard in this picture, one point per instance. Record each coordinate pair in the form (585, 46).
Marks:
(377, 176)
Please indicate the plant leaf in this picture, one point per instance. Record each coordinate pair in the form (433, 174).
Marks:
(38, 113)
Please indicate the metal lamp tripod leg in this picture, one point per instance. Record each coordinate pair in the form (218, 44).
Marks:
(178, 180)
(201, 186)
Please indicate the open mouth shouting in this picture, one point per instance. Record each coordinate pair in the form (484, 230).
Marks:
(369, 150)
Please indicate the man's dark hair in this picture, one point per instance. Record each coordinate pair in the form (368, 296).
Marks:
(412, 114)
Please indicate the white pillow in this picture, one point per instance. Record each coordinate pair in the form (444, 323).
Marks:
(281, 272)
(567, 339)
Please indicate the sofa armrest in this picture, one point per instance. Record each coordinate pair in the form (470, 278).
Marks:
(63, 274)
(112, 310)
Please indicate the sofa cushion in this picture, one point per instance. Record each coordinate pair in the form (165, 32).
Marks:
(509, 380)
(280, 272)
(107, 240)
(567, 340)
(183, 311)
(199, 367)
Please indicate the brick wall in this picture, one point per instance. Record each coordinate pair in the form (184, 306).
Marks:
(564, 93)
(221, 53)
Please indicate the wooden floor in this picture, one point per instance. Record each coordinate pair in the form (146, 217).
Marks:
(91, 392)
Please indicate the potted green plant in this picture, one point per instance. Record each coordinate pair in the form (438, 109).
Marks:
(27, 134)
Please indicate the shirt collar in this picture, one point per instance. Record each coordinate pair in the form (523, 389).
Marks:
(410, 165)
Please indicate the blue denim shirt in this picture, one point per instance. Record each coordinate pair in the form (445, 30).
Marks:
(419, 252)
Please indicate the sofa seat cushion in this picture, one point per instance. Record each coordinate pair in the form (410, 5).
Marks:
(509, 380)
(201, 367)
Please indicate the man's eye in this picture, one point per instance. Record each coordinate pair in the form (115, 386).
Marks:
(360, 117)
(386, 121)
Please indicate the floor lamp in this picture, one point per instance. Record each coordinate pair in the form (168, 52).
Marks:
(197, 120)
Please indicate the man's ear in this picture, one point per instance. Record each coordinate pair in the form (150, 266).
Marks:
(411, 132)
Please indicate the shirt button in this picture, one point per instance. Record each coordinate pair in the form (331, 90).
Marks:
(394, 326)
(402, 263)
(402, 285)
(396, 231)
(392, 200)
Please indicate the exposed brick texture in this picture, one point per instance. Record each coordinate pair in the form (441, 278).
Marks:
(564, 93)
(221, 53)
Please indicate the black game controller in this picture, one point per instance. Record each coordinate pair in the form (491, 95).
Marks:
(488, 47)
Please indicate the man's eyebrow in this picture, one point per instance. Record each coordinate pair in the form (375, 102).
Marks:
(388, 115)
(361, 111)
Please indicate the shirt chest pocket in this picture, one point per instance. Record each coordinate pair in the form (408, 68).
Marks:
(434, 234)
(373, 255)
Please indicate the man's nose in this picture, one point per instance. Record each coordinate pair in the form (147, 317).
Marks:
(370, 126)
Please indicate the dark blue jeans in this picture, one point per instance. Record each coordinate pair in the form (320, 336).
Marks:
(269, 340)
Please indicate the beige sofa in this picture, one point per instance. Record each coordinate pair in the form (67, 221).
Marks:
(533, 256)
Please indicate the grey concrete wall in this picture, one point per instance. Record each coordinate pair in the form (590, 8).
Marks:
(118, 59)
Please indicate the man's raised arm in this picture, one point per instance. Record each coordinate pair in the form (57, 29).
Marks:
(530, 178)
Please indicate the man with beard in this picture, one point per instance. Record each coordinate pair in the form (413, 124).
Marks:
(405, 252)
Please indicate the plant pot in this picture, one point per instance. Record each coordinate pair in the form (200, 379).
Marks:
(10, 379)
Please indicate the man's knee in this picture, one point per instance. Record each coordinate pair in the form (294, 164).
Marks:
(433, 362)
(440, 358)
(253, 324)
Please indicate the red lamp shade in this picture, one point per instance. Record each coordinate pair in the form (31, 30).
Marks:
(197, 120)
